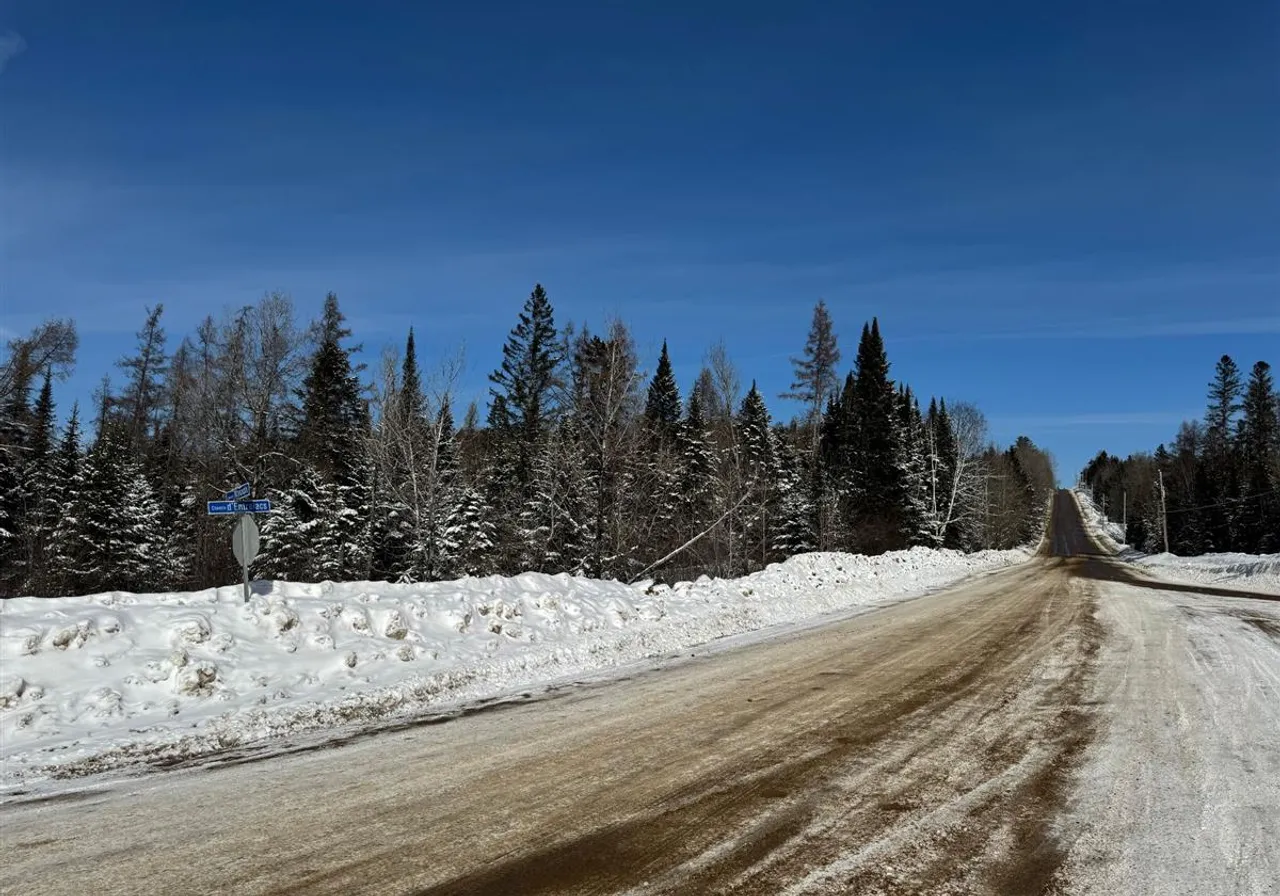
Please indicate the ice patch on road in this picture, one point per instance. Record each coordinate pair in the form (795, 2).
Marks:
(97, 682)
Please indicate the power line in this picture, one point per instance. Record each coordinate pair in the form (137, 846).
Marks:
(1227, 502)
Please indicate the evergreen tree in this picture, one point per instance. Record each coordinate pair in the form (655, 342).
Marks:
(662, 410)
(331, 443)
(524, 384)
(41, 487)
(815, 371)
(15, 422)
(695, 484)
(919, 523)
(470, 535)
(945, 469)
(139, 403)
(1218, 486)
(555, 522)
(794, 534)
(55, 579)
(756, 435)
(413, 403)
(879, 505)
(762, 469)
(334, 415)
(1259, 452)
(112, 536)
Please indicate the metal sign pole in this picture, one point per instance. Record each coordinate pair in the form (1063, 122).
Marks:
(242, 535)
(244, 544)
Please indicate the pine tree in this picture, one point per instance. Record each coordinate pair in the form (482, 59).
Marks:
(41, 490)
(524, 384)
(1259, 451)
(761, 467)
(662, 410)
(15, 422)
(695, 483)
(944, 466)
(879, 500)
(469, 535)
(794, 534)
(756, 434)
(334, 416)
(112, 536)
(331, 443)
(144, 389)
(919, 524)
(555, 532)
(1219, 485)
(297, 531)
(413, 403)
(815, 371)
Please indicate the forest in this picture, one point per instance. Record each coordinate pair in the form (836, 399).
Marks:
(583, 462)
(1216, 487)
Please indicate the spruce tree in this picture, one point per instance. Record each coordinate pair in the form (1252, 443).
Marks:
(1259, 451)
(41, 481)
(919, 524)
(756, 434)
(331, 444)
(662, 410)
(946, 464)
(1218, 488)
(469, 535)
(334, 415)
(113, 537)
(762, 469)
(879, 498)
(696, 480)
(413, 403)
(524, 384)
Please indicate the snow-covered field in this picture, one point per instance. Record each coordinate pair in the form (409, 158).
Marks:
(1255, 572)
(105, 681)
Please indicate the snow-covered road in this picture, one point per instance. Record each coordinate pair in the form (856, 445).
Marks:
(1180, 792)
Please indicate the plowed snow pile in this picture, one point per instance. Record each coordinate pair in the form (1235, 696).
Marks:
(1253, 572)
(108, 680)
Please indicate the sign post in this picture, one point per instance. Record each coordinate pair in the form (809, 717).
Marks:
(244, 537)
(244, 544)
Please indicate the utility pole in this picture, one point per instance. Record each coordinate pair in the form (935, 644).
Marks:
(1164, 514)
(1124, 512)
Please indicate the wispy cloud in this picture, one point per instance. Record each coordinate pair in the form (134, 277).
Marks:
(11, 44)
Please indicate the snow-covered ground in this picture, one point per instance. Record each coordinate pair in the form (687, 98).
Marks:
(1180, 791)
(93, 683)
(1255, 572)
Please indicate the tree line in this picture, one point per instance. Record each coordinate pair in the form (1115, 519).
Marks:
(1220, 475)
(583, 462)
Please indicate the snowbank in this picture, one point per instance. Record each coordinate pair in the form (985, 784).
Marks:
(109, 680)
(1255, 572)
(1108, 534)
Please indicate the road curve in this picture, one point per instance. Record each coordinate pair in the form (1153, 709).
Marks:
(925, 747)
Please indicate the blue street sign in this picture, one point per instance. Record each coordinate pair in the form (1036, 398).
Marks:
(228, 508)
(239, 493)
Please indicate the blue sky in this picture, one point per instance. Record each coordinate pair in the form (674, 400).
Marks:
(1062, 211)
